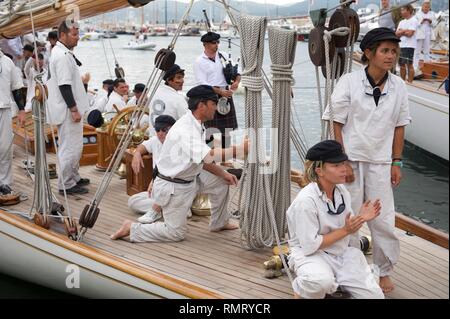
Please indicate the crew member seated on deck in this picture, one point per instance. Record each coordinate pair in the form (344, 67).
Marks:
(320, 221)
(185, 168)
(143, 203)
(10, 86)
(370, 111)
(119, 97)
(209, 70)
(138, 90)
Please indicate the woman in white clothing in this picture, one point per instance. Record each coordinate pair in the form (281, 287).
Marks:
(320, 222)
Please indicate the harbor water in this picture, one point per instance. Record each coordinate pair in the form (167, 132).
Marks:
(423, 193)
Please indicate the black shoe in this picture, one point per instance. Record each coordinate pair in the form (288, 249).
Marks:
(76, 190)
(83, 182)
(5, 190)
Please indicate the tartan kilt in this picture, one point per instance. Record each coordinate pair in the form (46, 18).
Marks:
(222, 122)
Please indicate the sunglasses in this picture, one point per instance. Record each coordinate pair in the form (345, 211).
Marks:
(164, 129)
(340, 209)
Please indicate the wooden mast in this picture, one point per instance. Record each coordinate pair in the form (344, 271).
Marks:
(52, 16)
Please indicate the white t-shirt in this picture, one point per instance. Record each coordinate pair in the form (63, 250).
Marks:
(153, 146)
(63, 70)
(10, 80)
(117, 100)
(184, 149)
(408, 24)
(208, 72)
(308, 220)
(368, 131)
(101, 99)
(426, 27)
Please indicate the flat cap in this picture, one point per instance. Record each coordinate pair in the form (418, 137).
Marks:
(164, 121)
(175, 69)
(95, 118)
(327, 151)
(205, 92)
(376, 35)
(210, 37)
(139, 88)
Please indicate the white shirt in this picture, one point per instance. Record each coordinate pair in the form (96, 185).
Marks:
(426, 27)
(368, 131)
(167, 101)
(153, 146)
(408, 24)
(117, 100)
(308, 220)
(63, 70)
(101, 99)
(10, 80)
(208, 72)
(133, 101)
(184, 149)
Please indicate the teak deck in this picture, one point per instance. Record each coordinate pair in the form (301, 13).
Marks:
(216, 261)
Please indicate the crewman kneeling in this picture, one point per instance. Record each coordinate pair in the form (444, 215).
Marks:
(186, 168)
(320, 221)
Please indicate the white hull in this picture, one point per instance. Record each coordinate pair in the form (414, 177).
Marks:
(429, 129)
(140, 46)
(47, 259)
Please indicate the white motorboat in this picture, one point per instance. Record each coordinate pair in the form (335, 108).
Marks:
(133, 45)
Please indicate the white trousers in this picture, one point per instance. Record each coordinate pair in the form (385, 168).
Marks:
(423, 45)
(70, 141)
(6, 146)
(322, 273)
(373, 181)
(140, 203)
(176, 201)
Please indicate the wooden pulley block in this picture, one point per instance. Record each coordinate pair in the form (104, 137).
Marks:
(354, 18)
(342, 18)
(71, 228)
(165, 59)
(89, 217)
(120, 72)
(41, 220)
(316, 46)
(341, 62)
(138, 3)
(39, 95)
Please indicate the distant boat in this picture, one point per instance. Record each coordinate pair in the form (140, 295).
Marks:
(92, 36)
(133, 45)
(110, 35)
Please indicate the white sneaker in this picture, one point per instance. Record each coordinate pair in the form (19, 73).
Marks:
(150, 217)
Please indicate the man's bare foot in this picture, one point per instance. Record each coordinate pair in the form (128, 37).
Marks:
(123, 231)
(386, 284)
(228, 226)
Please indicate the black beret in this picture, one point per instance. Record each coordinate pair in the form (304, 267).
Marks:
(327, 151)
(164, 121)
(376, 35)
(108, 82)
(172, 71)
(139, 88)
(210, 37)
(95, 118)
(205, 92)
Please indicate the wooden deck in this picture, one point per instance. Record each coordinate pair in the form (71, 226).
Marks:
(217, 262)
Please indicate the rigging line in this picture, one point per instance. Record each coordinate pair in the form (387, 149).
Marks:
(106, 58)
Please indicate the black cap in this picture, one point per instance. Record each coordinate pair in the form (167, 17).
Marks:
(139, 88)
(95, 118)
(164, 121)
(205, 92)
(172, 71)
(327, 151)
(210, 37)
(108, 82)
(376, 35)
